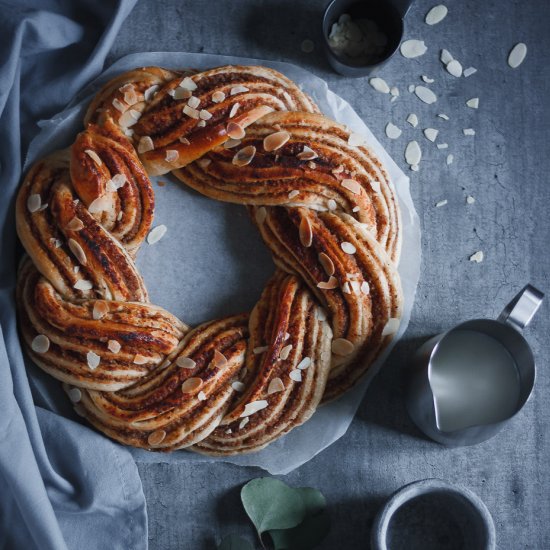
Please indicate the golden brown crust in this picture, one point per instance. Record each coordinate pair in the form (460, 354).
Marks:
(326, 209)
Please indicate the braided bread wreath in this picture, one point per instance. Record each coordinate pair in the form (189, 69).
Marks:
(323, 204)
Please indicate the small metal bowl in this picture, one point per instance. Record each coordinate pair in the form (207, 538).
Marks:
(432, 514)
(387, 17)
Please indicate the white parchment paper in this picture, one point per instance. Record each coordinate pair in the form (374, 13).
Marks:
(212, 262)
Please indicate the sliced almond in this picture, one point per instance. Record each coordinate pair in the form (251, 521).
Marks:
(413, 153)
(365, 288)
(306, 232)
(392, 131)
(348, 248)
(83, 284)
(346, 288)
(204, 163)
(391, 327)
(129, 118)
(94, 156)
(118, 105)
(293, 193)
(285, 352)
(188, 84)
(235, 130)
(171, 155)
(243, 423)
(150, 92)
(34, 202)
(156, 438)
(473, 103)
(191, 112)
(304, 363)
(185, 363)
(238, 386)
(375, 186)
(113, 346)
(230, 143)
(356, 140)
(192, 385)
(261, 214)
(307, 154)
(99, 310)
(201, 396)
(75, 225)
(78, 251)
(145, 144)
(93, 360)
(193, 102)
(235, 107)
(238, 90)
(342, 347)
(455, 68)
(380, 85)
(218, 97)
(327, 263)
(295, 375)
(184, 140)
(140, 359)
(275, 141)
(219, 360)
(100, 204)
(40, 344)
(331, 284)
(244, 156)
(205, 115)
(352, 185)
(260, 349)
(331, 205)
(436, 14)
(276, 385)
(254, 407)
(477, 257)
(412, 119)
(413, 48)
(156, 234)
(431, 134)
(425, 94)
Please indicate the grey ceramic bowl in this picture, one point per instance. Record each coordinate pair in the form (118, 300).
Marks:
(433, 514)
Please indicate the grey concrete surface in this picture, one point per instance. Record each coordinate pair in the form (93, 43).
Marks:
(505, 166)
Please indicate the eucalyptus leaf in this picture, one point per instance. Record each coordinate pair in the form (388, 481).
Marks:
(272, 504)
(234, 542)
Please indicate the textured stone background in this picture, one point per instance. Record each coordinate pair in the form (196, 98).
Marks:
(505, 167)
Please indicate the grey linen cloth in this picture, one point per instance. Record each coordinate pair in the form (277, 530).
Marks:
(62, 485)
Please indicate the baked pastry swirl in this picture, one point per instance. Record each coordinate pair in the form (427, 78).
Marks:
(322, 202)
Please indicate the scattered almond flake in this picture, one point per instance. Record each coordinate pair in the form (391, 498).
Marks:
(276, 385)
(445, 57)
(304, 363)
(427, 80)
(100, 204)
(201, 396)
(346, 288)
(355, 287)
(94, 156)
(185, 363)
(235, 130)
(238, 90)
(188, 84)
(156, 234)
(205, 115)
(184, 140)
(293, 193)
(412, 119)
(219, 360)
(191, 385)
(469, 71)
(238, 386)
(355, 209)
(140, 359)
(307, 46)
(411, 88)
(441, 203)
(473, 103)
(285, 352)
(75, 395)
(392, 131)
(93, 360)
(442, 145)
(218, 97)
(78, 251)
(477, 257)
(254, 407)
(229, 431)
(392, 326)
(119, 181)
(244, 156)
(99, 310)
(56, 243)
(145, 144)
(305, 232)
(331, 204)
(76, 269)
(331, 284)
(295, 375)
(259, 349)
(375, 186)
(431, 134)
(342, 347)
(348, 248)
(171, 155)
(119, 216)
(365, 288)
(150, 92)
(43, 207)
(275, 141)
(307, 154)
(380, 85)
(455, 68)
(130, 95)
(191, 112)
(413, 48)
(436, 14)
(517, 55)
(261, 214)
(156, 438)
(352, 185)
(193, 102)
(327, 263)
(425, 94)
(355, 140)
(128, 132)
(129, 118)
(110, 186)
(413, 153)
(311, 165)
(118, 105)
(443, 116)
(40, 344)
(83, 284)
(113, 346)
(34, 202)
(181, 93)
(450, 159)
(230, 143)
(470, 199)
(244, 422)
(469, 132)
(415, 167)
(394, 92)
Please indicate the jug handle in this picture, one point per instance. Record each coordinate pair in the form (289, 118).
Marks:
(519, 312)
